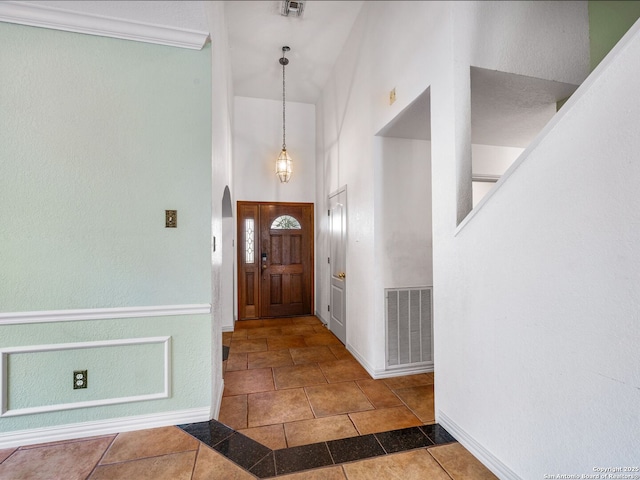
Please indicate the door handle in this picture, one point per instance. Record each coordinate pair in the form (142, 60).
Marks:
(342, 275)
(264, 266)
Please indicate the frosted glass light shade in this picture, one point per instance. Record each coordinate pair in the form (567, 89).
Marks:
(283, 166)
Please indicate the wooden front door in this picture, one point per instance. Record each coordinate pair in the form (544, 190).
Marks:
(275, 259)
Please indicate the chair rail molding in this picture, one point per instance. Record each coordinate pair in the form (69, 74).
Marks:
(25, 13)
(48, 316)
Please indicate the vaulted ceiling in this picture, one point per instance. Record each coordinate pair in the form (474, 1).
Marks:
(506, 109)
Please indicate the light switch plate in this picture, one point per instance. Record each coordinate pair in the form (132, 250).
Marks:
(171, 218)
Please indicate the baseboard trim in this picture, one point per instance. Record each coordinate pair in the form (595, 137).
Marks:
(396, 372)
(481, 453)
(47, 316)
(322, 319)
(25, 13)
(102, 427)
(217, 402)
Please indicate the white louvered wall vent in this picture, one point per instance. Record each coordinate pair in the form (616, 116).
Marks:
(409, 327)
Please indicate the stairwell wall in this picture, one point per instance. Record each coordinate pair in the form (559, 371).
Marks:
(412, 46)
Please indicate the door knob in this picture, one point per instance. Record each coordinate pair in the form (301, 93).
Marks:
(342, 275)
(264, 266)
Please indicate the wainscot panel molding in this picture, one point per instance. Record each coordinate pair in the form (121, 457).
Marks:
(481, 453)
(34, 15)
(5, 411)
(102, 427)
(47, 316)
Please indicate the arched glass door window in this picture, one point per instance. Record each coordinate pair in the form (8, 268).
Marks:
(285, 222)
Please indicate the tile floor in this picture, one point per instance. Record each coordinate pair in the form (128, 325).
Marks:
(290, 382)
(295, 405)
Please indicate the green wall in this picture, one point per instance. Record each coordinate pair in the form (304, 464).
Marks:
(608, 22)
(98, 137)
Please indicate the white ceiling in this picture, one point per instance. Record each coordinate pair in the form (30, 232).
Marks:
(257, 33)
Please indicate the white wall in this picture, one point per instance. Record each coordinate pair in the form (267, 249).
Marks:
(412, 46)
(221, 127)
(257, 140)
(406, 213)
(490, 160)
(557, 306)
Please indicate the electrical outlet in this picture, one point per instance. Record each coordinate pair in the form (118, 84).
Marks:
(79, 379)
(392, 96)
(171, 219)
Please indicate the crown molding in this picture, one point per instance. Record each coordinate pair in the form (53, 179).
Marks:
(35, 15)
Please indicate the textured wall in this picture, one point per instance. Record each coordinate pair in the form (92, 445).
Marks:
(543, 323)
(412, 46)
(406, 213)
(98, 138)
(257, 136)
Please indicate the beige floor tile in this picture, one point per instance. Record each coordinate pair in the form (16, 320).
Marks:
(68, 460)
(409, 381)
(309, 320)
(343, 371)
(379, 394)
(59, 442)
(279, 322)
(413, 465)
(319, 430)
(460, 464)
(420, 400)
(285, 342)
(239, 334)
(248, 345)
(271, 436)
(148, 443)
(177, 466)
(384, 419)
(237, 361)
(264, 332)
(273, 358)
(297, 330)
(4, 454)
(210, 465)
(281, 406)
(337, 398)
(311, 355)
(248, 381)
(233, 411)
(340, 352)
(248, 324)
(327, 338)
(298, 376)
(330, 473)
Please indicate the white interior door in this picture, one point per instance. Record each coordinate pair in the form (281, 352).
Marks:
(337, 264)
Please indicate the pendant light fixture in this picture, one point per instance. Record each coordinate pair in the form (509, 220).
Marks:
(283, 163)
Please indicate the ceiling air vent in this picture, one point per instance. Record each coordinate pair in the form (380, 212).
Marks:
(291, 8)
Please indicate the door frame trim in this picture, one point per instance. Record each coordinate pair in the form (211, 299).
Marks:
(239, 250)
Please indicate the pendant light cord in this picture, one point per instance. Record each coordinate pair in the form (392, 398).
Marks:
(284, 143)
